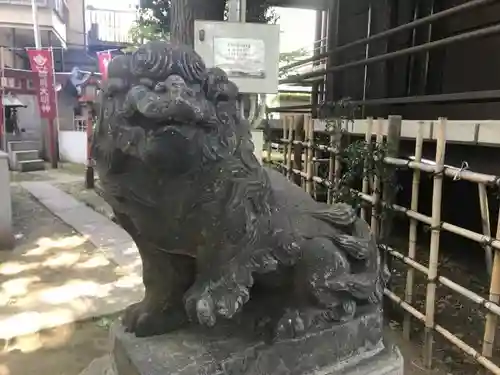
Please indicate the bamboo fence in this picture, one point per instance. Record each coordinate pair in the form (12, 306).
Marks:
(309, 178)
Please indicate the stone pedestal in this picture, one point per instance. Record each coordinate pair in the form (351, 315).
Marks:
(6, 234)
(352, 348)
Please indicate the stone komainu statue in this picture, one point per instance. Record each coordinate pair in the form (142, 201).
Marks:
(218, 233)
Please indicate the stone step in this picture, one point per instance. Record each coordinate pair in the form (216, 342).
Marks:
(23, 146)
(31, 165)
(26, 155)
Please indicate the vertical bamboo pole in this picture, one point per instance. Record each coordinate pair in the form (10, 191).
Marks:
(316, 165)
(331, 167)
(284, 122)
(338, 158)
(375, 224)
(290, 148)
(485, 223)
(394, 124)
(437, 193)
(366, 177)
(310, 148)
(269, 146)
(412, 246)
(492, 319)
(298, 149)
(306, 152)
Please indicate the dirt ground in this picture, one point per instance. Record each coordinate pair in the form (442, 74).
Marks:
(454, 312)
(65, 350)
(49, 259)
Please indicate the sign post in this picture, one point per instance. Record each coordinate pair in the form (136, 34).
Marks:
(43, 67)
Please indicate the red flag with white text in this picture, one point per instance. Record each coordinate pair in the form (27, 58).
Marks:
(43, 68)
(104, 57)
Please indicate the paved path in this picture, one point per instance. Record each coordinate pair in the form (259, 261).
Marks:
(76, 295)
(99, 230)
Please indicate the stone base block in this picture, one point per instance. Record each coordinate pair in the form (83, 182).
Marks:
(352, 348)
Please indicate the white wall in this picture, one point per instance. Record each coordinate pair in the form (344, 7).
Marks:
(73, 146)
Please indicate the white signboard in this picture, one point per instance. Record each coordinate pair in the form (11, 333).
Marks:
(240, 57)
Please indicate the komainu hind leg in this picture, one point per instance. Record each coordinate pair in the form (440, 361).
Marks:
(325, 275)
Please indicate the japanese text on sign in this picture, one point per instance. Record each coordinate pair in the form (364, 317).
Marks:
(240, 57)
(41, 65)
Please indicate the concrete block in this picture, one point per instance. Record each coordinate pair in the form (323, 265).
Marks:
(7, 241)
(31, 165)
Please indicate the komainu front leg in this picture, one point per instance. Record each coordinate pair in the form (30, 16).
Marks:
(166, 278)
(222, 295)
(222, 290)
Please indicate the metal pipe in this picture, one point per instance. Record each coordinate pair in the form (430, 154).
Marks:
(36, 26)
(425, 77)
(388, 33)
(403, 52)
(411, 62)
(460, 97)
(367, 54)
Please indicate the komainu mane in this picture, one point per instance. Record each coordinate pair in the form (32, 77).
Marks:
(217, 232)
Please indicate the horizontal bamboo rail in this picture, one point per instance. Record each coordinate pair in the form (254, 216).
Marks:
(439, 170)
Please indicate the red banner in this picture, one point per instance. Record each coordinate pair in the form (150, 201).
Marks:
(43, 67)
(104, 57)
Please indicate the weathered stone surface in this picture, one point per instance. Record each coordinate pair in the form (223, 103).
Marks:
(341, 349)
(288, 285)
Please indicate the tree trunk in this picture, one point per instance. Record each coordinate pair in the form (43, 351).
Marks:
(183, 13)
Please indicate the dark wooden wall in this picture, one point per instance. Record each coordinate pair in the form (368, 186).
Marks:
(471, 65)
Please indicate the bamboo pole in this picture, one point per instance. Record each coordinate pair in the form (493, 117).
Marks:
(338, 158)
(309, 130)
(298, 148)
(375, 225)
(434, 248)
(290, 147)
(492, 319)
(412, 246)
(393, 141)
(394, 124)
(284, 140)
(310, 171)
(485, 223)
(448, 171)
(366, 176)
(331, 167)
(305, 156)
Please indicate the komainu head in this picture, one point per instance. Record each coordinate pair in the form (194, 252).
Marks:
(180, 112)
